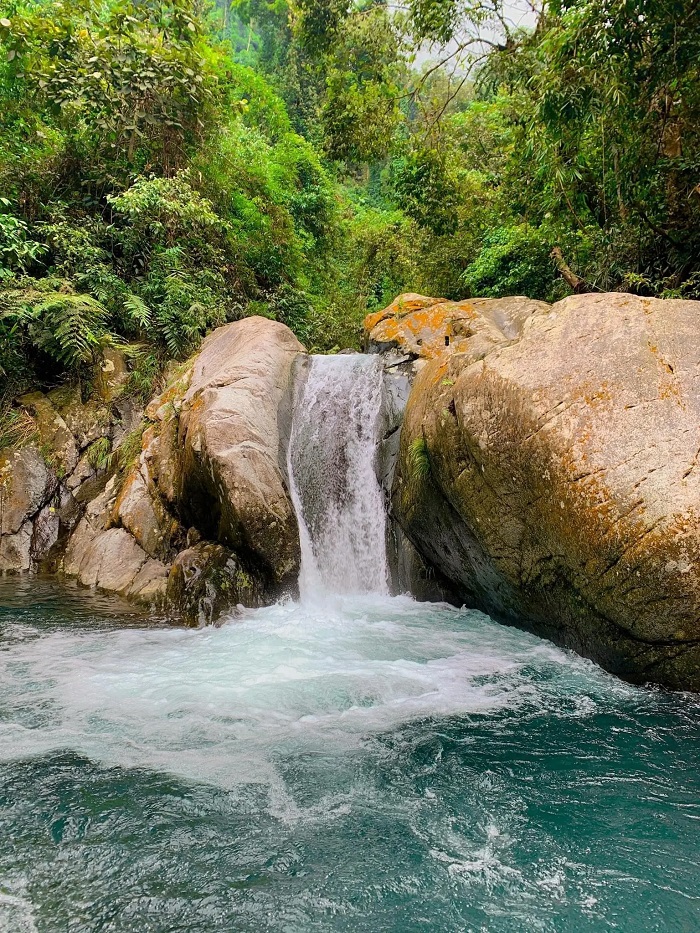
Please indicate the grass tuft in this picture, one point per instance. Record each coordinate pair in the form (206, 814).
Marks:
(17, 428)
(418, 459)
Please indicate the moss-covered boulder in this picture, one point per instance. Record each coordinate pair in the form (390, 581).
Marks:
(207, 580)
(555, 478)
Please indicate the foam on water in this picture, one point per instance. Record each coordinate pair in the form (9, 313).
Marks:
(219, 703)
(16, 914)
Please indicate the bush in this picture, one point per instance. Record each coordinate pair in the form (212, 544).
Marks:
(514, 261)
(65, 327)
(18, 251)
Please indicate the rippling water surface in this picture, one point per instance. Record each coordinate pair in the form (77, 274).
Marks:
(362, 764)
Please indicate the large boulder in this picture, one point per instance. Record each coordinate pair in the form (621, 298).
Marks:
(554, 477)
(233, 488)
(200, 500)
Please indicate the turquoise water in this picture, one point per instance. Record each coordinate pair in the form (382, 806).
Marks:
(361, 765)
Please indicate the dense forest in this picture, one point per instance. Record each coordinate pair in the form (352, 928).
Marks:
(166, 167)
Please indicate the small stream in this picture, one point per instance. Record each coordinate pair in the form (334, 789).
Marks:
(350, 762)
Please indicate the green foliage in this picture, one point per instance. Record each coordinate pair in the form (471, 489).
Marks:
(435, 20)
(18, 252)
(319, 25)
(173, 245)
(426, 191)
(607, 135)
(99, 453)
(146, 369)
(165, 211)
(68, 328)
(513, 261)
(127, 84)
(360, 112)
(167, 168)
(418, 460)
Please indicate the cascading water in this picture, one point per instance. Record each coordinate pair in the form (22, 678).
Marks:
(334, 487)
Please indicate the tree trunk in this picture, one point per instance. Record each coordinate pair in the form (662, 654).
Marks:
(575, 282)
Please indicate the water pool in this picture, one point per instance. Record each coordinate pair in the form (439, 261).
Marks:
(361, 764)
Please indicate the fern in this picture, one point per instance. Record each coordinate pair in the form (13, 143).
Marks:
(106, 286)
(68, 327)
(137, 310)
(103, 284)
(180, 325)
(71, 327)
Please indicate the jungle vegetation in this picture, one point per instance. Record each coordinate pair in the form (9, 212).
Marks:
(166, 167)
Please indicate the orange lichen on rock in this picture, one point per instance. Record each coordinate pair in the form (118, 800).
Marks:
(400, 307)
(429, 327)
(422, 327)
(426, 333)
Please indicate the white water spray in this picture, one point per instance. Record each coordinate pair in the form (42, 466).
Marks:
(336, 494)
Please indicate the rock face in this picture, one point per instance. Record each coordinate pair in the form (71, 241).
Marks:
(24, 478)
(233, 489)
(549, 467)
(184, 504)
(28, 528)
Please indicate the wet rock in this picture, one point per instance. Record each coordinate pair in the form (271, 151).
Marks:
(45, 533)
(150, 583)
(207, 580)
(83, 471)
(208, 457)
(162, 456)
(15, 550)
(68, 509)
(25, 484)
(129, 418)
(112, 560)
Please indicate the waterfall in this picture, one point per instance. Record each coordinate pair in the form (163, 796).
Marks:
(333, 484)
